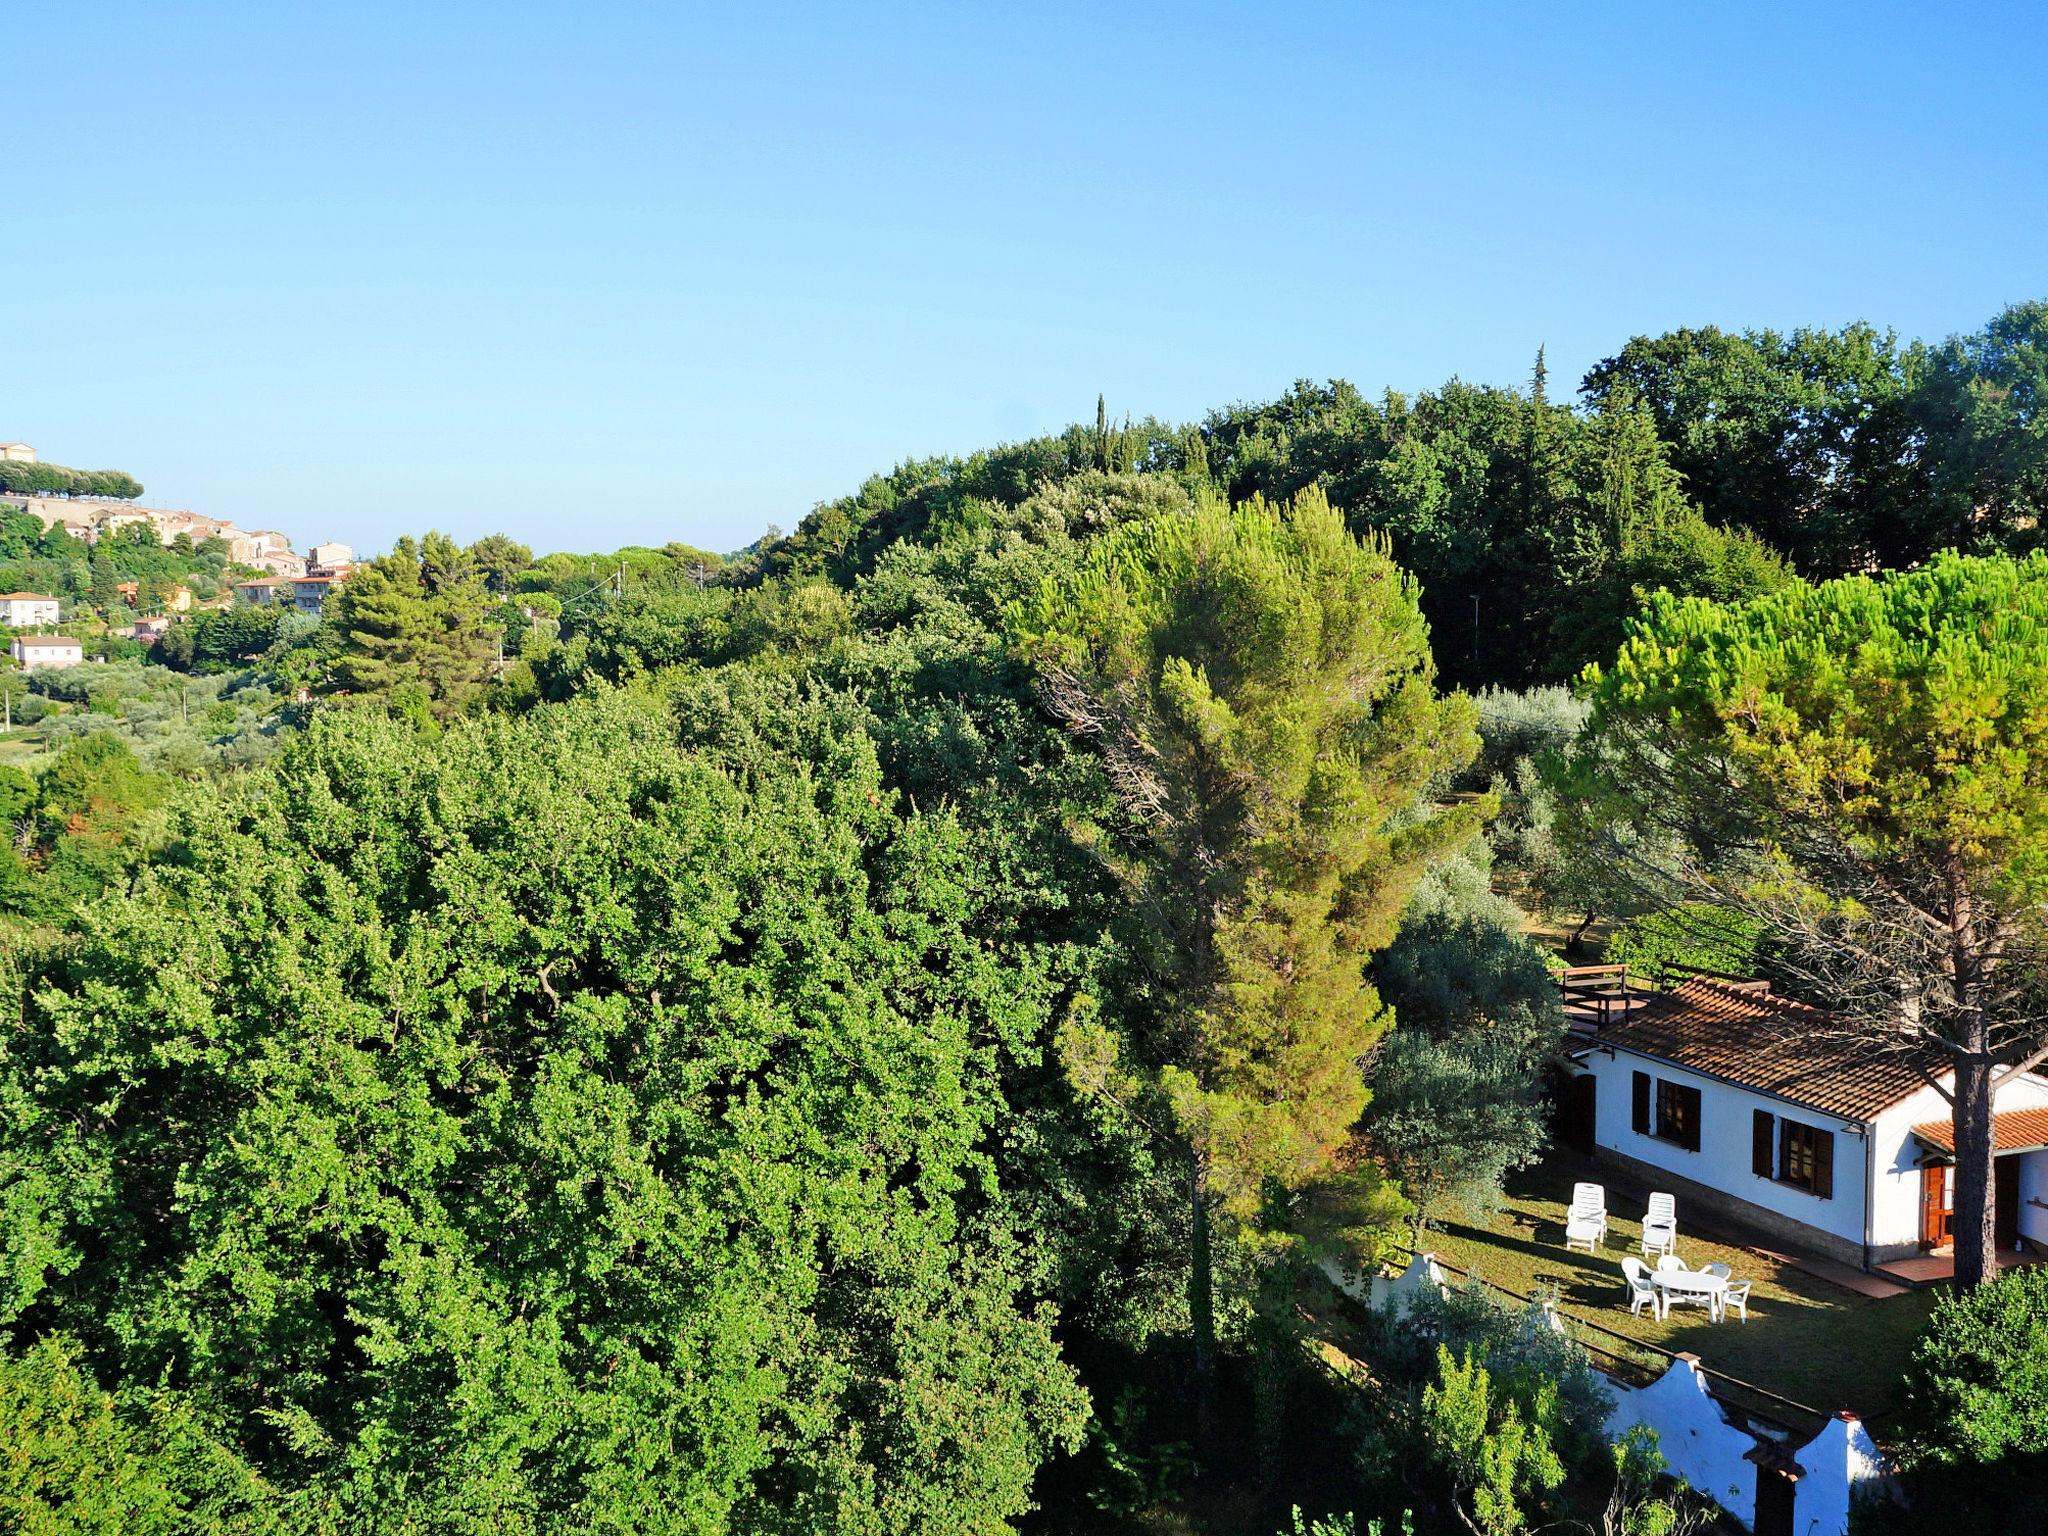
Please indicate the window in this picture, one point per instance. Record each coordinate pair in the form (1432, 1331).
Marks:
(1678, 1114)
(1806, 1159)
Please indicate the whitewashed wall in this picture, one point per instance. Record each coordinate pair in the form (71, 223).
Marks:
(1895, 1213)
(1838, 1462)
(1699, 1442)
(2034, 1188)
(1693, 1434)
(1723, 1160)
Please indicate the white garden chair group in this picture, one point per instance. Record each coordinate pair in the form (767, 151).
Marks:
(1672, 1283)
(1712, 1286)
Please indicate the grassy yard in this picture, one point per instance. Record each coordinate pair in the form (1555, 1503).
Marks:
(1805, 1339)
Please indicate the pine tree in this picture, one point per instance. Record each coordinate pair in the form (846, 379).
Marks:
(1259, 685)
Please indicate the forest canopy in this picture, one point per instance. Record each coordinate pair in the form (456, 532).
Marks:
(892, 1029)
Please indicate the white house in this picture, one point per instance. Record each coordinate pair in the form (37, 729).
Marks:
(329, 555)
(309, 593)
(263, 591)
(1745, 1106)
(34, 652)
(17, 453)
(25, 610)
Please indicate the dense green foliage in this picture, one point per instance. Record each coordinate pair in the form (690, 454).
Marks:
(56, 480)
(1692, 935)
(881, 1028)
(1972, 1433)
(55, 564)
(1977, 1391)
(1258, 685)
(623, 1116)
(1454, 1104)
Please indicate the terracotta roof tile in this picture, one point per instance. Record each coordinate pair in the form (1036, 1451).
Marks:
(2012, 1130)
(1753, 1039)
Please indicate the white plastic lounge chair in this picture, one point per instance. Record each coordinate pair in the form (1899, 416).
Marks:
(1660, 1225)
(1586, 1222)
(1737, 1296)
(1641, 1291)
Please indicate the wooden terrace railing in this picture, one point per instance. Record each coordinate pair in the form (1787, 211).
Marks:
(1597, 994)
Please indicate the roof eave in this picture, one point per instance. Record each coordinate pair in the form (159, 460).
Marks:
(1763, 1093)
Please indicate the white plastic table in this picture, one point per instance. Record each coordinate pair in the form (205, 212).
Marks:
(1692, 1284)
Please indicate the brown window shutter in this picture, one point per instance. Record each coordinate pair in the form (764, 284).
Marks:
(1640, 1108)
(1763, 1126)
(1692, 1120)
(1824, 1164)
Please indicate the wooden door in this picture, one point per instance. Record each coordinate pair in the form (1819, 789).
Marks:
(1937, 1203)
(2005, 1203)
(1773, 1502)
(1577, 1113)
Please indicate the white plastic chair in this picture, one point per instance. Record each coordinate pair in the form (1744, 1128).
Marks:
(1642, 1291)
(1737, 1296)
(1718, 1269)
(1670, 1261)
(1586, 1222)
(1660, 1225)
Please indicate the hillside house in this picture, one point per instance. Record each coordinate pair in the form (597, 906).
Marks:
(262, 591)
(17, 453)
(35, 653)
(149, 630)
(329, 555)
(1747, 1107)
(310, 592)
(26, 610)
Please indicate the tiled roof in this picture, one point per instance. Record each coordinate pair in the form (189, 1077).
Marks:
(2012, 1130)
(1756, 1040)
(33, 597)
(48, 640)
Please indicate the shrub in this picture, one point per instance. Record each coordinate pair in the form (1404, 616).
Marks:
(1977, 1387)
(1701, 937)
(75, 1461)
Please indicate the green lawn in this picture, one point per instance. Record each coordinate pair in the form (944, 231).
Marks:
(1805, 1339)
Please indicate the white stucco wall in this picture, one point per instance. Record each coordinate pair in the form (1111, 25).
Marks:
(25, 612)
(1693, 1435)
(1723, 1160)
(1895, 1214)
(1838, 1463)
(1895, 1217)
(2034, 1196)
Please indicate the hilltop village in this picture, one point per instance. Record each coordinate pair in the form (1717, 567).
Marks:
(97, 569)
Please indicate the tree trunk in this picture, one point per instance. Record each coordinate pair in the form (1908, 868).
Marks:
(1201, 1307)
(1975, 1224)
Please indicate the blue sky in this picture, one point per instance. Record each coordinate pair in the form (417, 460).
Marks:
(612, 273)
